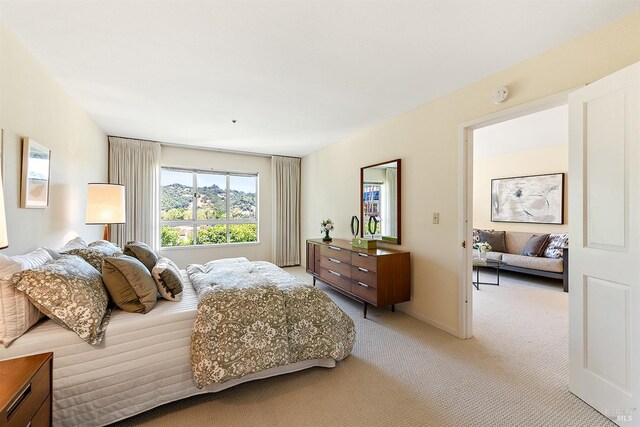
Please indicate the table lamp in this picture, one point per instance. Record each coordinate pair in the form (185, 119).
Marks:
(105, 205)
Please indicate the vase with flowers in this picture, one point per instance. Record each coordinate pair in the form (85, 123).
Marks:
(326, 226)
(482, 248)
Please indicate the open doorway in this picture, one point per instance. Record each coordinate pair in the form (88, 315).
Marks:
(520, 207)
(527, 140)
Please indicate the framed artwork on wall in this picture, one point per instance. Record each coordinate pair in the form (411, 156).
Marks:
(537, 199)
(34, 191)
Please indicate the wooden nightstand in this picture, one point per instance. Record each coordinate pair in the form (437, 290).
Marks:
(25, 395)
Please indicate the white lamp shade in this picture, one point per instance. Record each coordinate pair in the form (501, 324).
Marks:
(4, 241)
(105, 204)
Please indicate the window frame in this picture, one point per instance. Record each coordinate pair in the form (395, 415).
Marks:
(195, 223)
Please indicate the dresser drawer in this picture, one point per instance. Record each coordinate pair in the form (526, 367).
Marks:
(335, 278)
(336, 265)
(364, 291)
(363, 260)
(41, 418)
(26, 403)
(335, 252)
(363, 275)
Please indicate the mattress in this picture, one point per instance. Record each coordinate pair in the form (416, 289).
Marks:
(142, 362)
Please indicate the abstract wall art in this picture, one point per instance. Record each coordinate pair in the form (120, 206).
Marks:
(533, 199)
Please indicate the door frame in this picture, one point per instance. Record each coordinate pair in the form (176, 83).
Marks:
(465, 195)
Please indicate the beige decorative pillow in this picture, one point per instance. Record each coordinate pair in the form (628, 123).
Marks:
(129, 283)
(95, 254)
(168, 279)
(17, 313)
(143, 253)
(71, 293)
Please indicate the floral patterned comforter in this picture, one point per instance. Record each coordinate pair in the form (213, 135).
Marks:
(254, 316)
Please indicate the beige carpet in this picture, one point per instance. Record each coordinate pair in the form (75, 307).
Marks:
(405, 373)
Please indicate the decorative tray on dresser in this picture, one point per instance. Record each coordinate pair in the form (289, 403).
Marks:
(379, 277)
(25, 395)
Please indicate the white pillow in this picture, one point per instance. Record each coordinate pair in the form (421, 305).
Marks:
(17, 314)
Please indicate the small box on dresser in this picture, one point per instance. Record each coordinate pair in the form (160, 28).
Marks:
(25, 395)
(379, 277)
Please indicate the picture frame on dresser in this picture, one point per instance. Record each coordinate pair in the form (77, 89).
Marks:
(36, 172)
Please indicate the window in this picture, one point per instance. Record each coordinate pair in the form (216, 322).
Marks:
(207, 208)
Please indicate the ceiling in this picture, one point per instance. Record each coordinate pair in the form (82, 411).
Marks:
(545, 128)
(294, 75)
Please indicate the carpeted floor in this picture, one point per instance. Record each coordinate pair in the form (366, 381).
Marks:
(405, 373)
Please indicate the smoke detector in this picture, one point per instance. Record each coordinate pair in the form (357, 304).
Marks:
(500, 94)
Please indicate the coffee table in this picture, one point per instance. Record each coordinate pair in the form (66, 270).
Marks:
(487, 263)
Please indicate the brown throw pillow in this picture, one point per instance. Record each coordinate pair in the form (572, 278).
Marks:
(494, 238)
(168, 279)
(143, 253)
(129, 283)
(535, 246)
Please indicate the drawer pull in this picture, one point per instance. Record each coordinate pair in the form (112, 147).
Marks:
(334, 273)
(363, 255)
(335, 261)
(13, 406)
(364, 285)
(335, 248)
(364, 270)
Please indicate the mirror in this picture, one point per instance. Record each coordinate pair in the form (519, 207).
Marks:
(380, 202)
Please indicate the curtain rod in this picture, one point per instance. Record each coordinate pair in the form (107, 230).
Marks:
(196, 147)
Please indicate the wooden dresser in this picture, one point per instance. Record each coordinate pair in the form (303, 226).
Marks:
(373, 276)
(25, 395)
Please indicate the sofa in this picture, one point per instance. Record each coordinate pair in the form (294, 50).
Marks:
(529, 253)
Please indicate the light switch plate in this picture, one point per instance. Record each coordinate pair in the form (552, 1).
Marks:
(436, 218)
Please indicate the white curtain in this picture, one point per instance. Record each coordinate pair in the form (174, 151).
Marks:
(390, 228)
(136, 165)
(285, 172)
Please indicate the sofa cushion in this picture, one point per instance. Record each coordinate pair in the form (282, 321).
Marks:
(494, 238)
(556, 246)
(536, 263)
(535, 246)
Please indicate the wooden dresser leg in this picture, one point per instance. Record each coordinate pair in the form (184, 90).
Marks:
(364, 312)
(314, 281)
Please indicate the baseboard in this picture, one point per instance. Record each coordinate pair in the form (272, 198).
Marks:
(425, 319)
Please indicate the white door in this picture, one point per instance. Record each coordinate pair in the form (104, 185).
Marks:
(604, 245)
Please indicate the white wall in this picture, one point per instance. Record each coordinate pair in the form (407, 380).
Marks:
(33, 104)
(426, 139)
(220, 161)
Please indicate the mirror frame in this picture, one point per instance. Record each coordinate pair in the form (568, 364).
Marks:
(399, 210)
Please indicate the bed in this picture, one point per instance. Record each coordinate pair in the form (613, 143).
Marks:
(142, 362)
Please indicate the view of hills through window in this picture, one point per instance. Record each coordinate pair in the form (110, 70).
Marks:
(198, 208)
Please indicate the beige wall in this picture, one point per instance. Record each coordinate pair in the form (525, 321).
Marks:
(426, 139)
(530, 162)
(33, 104)
(207, 159)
